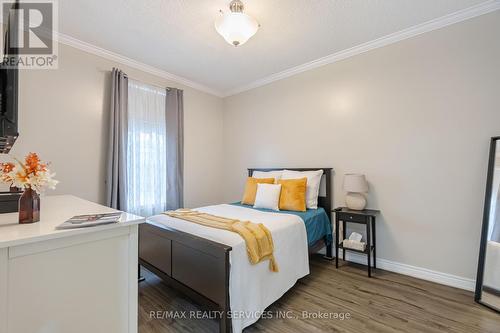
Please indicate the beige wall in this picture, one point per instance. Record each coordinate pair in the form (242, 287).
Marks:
(63, 116)
(415, 117)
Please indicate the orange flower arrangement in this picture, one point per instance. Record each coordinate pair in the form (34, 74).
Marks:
(31, 173)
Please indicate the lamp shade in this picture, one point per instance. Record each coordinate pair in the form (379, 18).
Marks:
(355, 183)
(236, 28)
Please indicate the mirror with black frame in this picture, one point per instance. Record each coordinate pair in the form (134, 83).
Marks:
(488, 273)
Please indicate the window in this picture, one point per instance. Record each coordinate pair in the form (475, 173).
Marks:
(146, 150)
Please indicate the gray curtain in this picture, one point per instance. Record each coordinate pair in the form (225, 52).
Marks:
(116, 175)
(495, 235)
(175, 148)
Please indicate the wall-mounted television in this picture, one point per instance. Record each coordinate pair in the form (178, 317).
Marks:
(9, 85)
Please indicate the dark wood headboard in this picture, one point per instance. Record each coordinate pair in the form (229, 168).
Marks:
(323, 201)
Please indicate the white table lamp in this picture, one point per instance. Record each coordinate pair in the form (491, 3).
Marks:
(355, 185)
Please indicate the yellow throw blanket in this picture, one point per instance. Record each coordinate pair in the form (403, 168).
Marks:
(258, 239)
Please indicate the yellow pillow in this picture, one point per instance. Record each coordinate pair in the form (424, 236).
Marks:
(293, 194)
(251, 189)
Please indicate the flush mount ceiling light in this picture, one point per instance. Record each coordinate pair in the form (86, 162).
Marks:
(236, 27)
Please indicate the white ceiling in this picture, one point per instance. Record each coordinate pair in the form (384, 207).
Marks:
(178, 36)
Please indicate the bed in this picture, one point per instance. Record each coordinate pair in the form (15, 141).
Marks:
(211, 267)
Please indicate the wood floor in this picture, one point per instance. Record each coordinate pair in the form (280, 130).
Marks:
(388, 302)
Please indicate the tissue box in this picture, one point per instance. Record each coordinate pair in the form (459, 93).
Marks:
(355, 245)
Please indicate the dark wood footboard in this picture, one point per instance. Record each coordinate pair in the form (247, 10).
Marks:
(195, 266)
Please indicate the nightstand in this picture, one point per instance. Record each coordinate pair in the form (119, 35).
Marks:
(366, 217)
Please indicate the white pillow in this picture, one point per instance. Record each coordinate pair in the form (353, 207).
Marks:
(268, 174)
(268, 196)
(313, 183)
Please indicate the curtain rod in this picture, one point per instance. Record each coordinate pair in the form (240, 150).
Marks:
(132, 78)
(154, 85)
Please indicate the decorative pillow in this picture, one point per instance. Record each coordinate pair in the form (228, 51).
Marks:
(251, 189)
(268, 196)
(268, 174)
(293, 194)
(313, 183)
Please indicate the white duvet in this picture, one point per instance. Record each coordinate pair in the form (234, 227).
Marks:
(252, 288)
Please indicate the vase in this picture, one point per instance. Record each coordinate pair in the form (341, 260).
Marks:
(29, 207)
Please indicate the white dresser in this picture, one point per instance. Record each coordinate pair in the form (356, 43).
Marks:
(68, 281)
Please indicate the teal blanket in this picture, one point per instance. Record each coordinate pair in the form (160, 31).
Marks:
(317, 223)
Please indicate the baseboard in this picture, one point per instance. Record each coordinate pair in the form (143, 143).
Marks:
(418, 272)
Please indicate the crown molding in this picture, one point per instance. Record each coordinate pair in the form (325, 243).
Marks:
(438, 23)
(81, 45)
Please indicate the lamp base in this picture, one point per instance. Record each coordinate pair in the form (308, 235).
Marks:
(355, 201)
